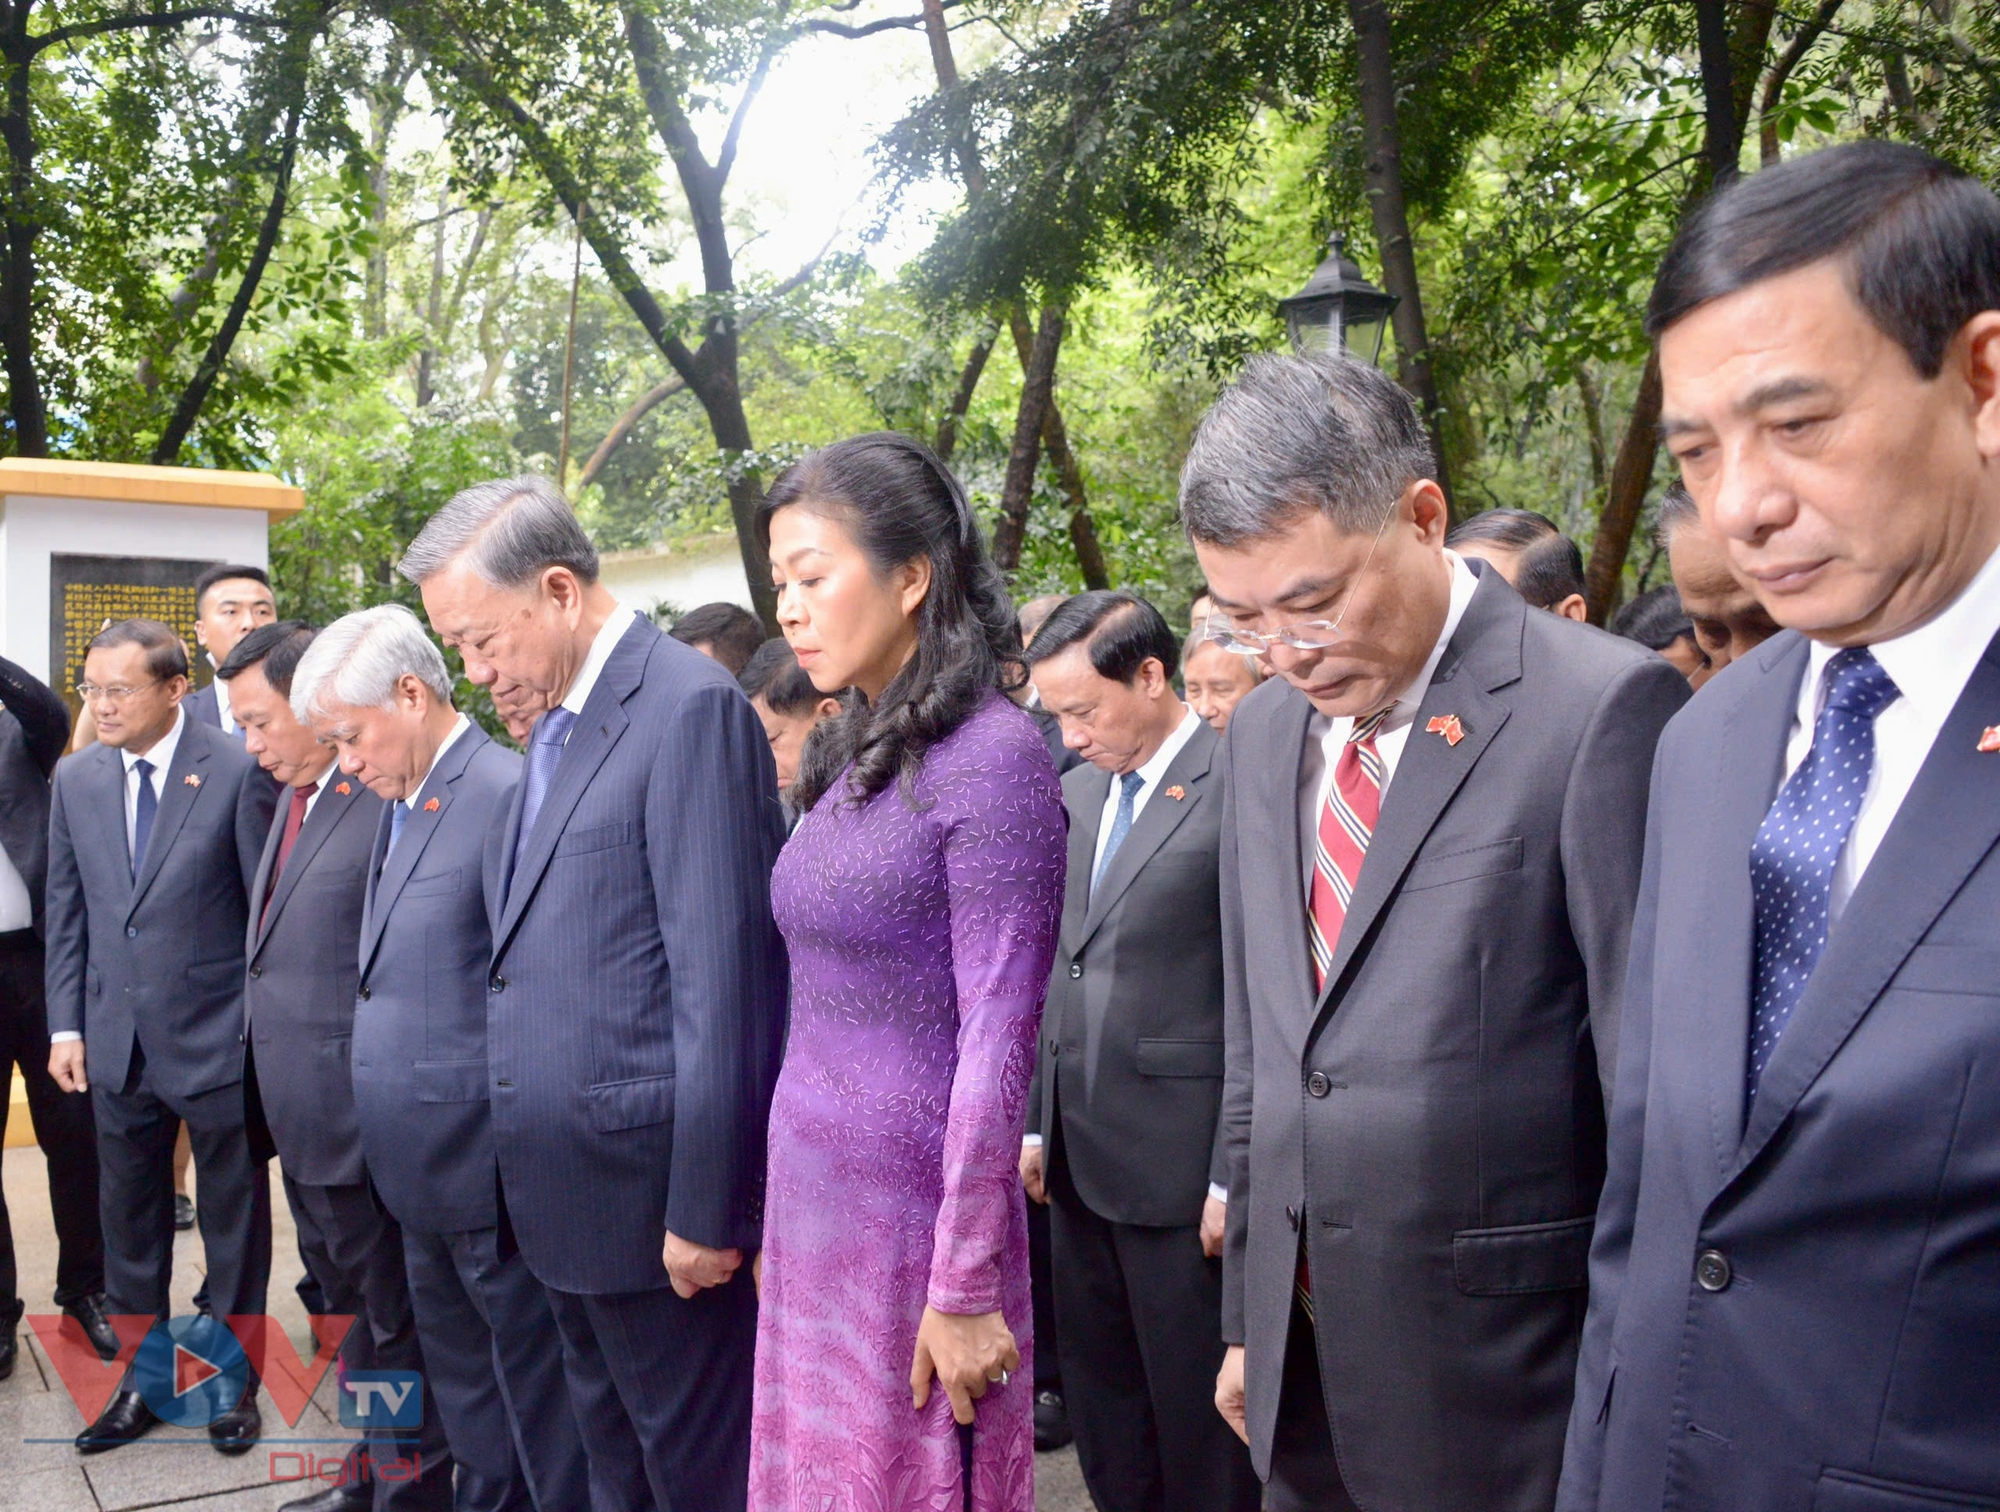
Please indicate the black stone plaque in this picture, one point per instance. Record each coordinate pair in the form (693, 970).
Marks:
(88, 592)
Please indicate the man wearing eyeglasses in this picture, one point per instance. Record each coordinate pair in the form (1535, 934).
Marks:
(1430, 854)
(154, 834)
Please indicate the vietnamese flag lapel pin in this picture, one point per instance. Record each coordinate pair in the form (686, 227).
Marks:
(1448, 726)
(1989, 740)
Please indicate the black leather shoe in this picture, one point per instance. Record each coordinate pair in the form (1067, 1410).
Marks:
(96, 1325)
(237, 1430)
(9, 1351)
(126, 1419)
(183, 1213)
(334, 1499)
(1052, 1430)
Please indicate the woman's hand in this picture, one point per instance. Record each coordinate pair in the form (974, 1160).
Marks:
(967, 1352)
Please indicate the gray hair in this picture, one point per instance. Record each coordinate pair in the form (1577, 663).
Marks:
(1297, 434)
(359, 658)
(512, 529)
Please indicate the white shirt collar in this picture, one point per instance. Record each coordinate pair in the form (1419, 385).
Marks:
(410, 798)
(1156, 766)
(608, 635)
(1464, 583)
(222, 710)
(162, 753)
(1931, 664)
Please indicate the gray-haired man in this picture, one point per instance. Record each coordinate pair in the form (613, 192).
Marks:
(635, 1006)
(375, 688)
(1430, 852)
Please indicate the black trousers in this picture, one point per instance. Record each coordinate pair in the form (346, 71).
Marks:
(136, 1128)
(496, 1373)
(357, 1251)
(1041, 1287)
(1305, 1471)
(64, 1128)
(661, 1388)
(1140, 1311)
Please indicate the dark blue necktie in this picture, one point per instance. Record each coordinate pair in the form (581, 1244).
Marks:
(545, 750)
(1121, 824)
(398, 817)
(1798, 845)
(142, 823)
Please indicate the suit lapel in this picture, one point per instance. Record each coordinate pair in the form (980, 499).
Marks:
(330, 809)
(1161, 816)
(1945, 827)
(1278, 803)
(1749, 763)
(391, 873)
(1484, 655)
(1087, 818)
(595, 732)
(103, 802)
(177, 796)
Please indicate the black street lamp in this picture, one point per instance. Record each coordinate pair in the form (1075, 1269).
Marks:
(1338, 307)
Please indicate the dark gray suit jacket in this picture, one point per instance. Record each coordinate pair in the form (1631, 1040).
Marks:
(1432, 1121)
(157, 963)
(1131, 1041)
(636, 1013)
(420, 1024)
(33, 730)
(201, 705)
(1845, 1353)
(299, 1000)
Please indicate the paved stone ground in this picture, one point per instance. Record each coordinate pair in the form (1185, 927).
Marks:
(41, 1472)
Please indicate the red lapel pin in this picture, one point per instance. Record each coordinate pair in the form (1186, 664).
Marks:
(342, 788)
(1177, 792)
(191, 780)
(1446, 725)
(1989, 739)
(430, 805)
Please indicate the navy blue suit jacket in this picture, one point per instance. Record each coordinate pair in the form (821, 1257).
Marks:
(1801, 1309)
(420, 1025)
(156, 962)
(637, 1001)
(299, 1000)
(201, 705)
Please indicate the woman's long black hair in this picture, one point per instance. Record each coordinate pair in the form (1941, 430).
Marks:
(900, 502)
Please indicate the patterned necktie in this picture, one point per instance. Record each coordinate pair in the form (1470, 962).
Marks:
(1346, 821)
(1121, 824)
(142, 822)
(295, 819)
(545, 750)
(1797, 846)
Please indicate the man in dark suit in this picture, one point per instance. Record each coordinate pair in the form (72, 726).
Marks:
(230, 600)
(1124, 1141)
(637, 991)
(34, 727)
(1795, 1287)
(154, 835)
(1430, 855)
(374, 688)
(303, 942)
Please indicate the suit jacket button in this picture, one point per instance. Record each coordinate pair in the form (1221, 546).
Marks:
(1318, 1085)
(1075, 970)
(131, 931)
(364, 994)
(1292, 1217)
(498, 984)
(256, 971)
(1712, 1271)
(504, 1086)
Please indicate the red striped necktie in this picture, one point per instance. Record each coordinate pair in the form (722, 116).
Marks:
(1346, 821)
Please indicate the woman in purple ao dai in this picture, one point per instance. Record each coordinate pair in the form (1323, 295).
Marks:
(919, 898)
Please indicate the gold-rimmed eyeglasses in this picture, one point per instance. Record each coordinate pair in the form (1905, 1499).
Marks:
(1301, 635)
(117, 693)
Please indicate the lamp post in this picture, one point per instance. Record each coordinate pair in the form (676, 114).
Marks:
(1338, 307)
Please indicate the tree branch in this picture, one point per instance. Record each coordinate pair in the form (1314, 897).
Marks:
(622, 428)
(83, 30)
(1781, 73)
(725, 159)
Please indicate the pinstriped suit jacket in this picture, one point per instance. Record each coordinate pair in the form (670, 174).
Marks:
(636, 1004)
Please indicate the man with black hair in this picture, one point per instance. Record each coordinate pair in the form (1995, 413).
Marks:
(1124, 1140)
(1544, 566)
(786, 701)
(34, 726)
(1656, 620)
(1723, 614)
(154, 834)
(727, 633)
(1795, 1282)
(230, 600)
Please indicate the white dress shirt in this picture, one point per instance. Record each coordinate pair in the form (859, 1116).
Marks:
(1326, 733)
(1149, 778)
(222, 709)
(608, 635)
(416, 791)
(17, 909)
(1930, 667)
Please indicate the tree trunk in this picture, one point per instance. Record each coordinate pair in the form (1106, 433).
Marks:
(1025, 456)
(968, 381)
(622, 428)
(198, 389)
(427, 354)
(26, 407)
(1383, 174)
(1055, 441)
(1631, 474)
(1781, 73)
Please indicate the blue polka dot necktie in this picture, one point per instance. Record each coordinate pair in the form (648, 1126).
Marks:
(1793, 857)
(1121, 823)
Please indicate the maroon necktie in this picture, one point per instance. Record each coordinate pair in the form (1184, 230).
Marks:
(295, 818)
